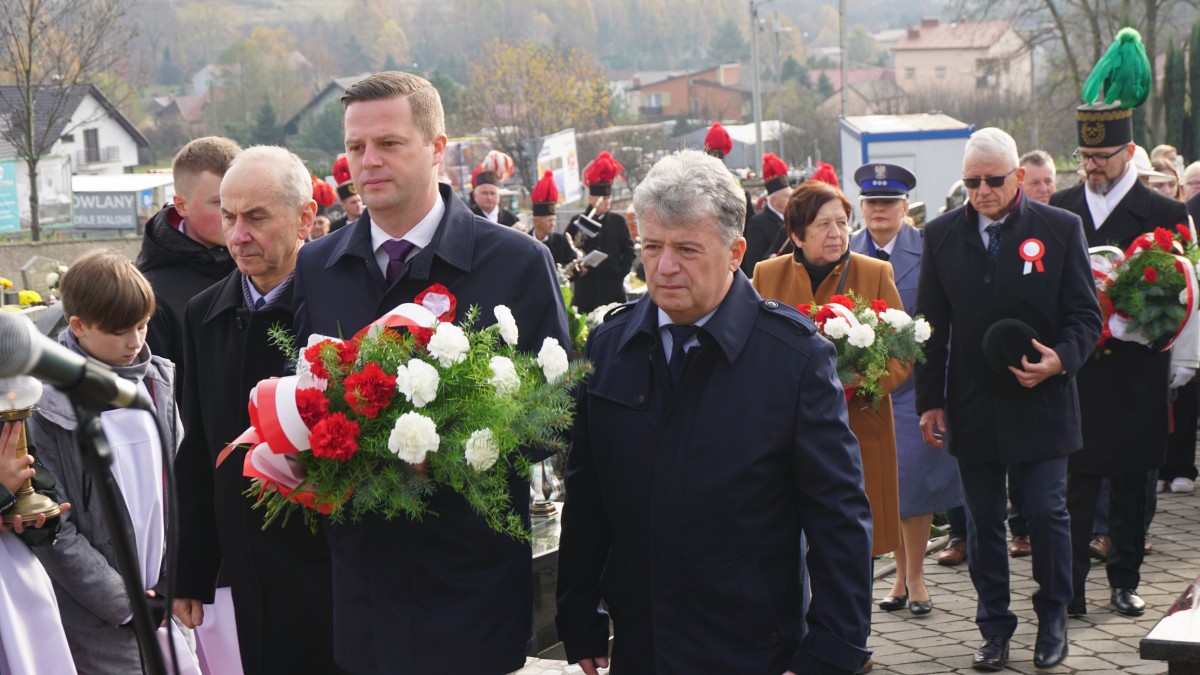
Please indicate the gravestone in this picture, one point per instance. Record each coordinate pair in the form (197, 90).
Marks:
(35, 273)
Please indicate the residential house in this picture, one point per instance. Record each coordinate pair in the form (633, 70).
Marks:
(715, 94)
(963, 56)
(330, 93)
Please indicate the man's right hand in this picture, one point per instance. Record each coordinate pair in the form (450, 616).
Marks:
(590, 666)
(933, 426)
(189, 612)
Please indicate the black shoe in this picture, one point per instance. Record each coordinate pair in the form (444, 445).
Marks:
(891, 603)
(991, 655)
(1077, 607)
(920, 607)
(1051, 646)
(1127, 602)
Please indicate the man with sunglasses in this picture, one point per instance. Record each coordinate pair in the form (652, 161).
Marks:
(1123, 395)
(998, 267)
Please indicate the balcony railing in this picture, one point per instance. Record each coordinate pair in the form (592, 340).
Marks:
(109, 154)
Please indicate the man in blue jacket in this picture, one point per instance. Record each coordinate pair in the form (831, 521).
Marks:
(686, 497)
(447, 594)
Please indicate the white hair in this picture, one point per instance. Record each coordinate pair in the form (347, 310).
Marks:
(1190, 170)
(291, 175)
(688, 186)
(991, 143)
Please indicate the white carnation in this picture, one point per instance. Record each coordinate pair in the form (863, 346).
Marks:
(449, 344)
(837, 327)
(418, 381)
(553, 360)
(508, 325)
(898, 319)
(52, 279)
(504, 375)
(414, 436)
(482, 451)
(870, 317)
(1183, 297)
(922, 330)
(862, 335)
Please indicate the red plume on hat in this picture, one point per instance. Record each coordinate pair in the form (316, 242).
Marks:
(603, 169)
(498, 163)
(718, 139)
(546, 191)
(323, 192)
(341, 169)
(773, 166)
(825, 174)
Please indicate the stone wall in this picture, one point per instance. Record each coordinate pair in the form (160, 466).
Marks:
(13, 256)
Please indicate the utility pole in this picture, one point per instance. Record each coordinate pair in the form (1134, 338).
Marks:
(843, 55)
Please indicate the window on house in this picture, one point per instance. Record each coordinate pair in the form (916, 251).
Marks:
(940, 71)
(91, 141)
(68, 138)
(910, 73)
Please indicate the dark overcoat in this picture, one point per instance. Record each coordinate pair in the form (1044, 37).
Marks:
(280, 576)
(605, 282)
(956, 283)
(445, 595)
(685, 505)
(764, 231)
(1123, 393)
(504, 217)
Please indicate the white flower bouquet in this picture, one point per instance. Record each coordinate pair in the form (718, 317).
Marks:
(868, 334)
(410, 405)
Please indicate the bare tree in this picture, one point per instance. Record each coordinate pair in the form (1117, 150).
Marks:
(48, 50)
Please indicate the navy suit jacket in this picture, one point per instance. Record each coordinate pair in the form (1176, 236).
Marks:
(956, 283)
(905, 260)
(685, 505)
(447, 594)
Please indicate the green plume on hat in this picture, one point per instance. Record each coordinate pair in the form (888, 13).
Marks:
(1123, 72)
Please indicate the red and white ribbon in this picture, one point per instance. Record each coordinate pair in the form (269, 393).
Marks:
(1032, 250)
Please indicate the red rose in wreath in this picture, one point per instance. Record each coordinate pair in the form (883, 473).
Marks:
(1151, 275)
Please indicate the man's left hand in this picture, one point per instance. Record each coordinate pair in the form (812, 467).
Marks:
(1031, 375)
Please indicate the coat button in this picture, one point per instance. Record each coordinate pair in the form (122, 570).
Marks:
(771, 304)
(640, 399)
(773, 638)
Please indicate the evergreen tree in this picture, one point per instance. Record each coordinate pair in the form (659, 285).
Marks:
(390, 63)
(1174, 97)
(728, 45)
(824, 86)
(324, 132)
(795, 71)
(266, 126)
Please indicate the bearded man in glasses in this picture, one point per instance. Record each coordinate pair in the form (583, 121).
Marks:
(1123, 394)
(1006, 286)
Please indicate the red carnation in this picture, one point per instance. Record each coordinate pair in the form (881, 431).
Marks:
(316, 363)
(1151, 274)
(824, 314)
(1184, 233)
(1164, 238)
(843, 301)
(878, 306)
(347, 353)
(806, 309)
(369, 391)
(335, 437)
(312, 405)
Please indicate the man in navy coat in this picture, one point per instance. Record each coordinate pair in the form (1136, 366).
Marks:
(447, 594)
(982, 264)
(686, 498)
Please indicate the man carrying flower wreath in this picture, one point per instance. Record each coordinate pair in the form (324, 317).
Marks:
(447, 594)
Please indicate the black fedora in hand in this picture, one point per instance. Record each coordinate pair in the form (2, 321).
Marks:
(1002, 333)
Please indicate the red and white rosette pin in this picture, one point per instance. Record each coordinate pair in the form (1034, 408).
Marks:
(1032, 250)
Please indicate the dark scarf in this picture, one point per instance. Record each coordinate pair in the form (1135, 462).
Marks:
(135, 372)
(817, 273)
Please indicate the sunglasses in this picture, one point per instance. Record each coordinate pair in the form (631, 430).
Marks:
(992, 181)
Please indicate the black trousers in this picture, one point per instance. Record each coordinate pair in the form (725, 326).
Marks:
(1044, 507)
(1016, 494)
(1126, 527)
(1181, 444)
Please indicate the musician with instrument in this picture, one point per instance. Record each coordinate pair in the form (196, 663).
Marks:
(598, 229)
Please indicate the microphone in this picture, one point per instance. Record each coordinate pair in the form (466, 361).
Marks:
(25, 351)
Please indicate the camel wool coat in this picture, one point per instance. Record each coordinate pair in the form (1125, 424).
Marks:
(784, 278)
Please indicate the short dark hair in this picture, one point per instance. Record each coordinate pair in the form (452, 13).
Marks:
(103, 288)
(1036, 158)
(210, 153)
(806, 201)
(422, 96)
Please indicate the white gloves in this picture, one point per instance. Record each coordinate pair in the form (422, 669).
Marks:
(1181, 375)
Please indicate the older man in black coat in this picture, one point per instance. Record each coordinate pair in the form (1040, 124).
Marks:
(1124, 392)
(280, 577)
(1004, 260)
(446, 594)
(685, 504)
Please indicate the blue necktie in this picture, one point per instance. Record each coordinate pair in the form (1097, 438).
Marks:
(679, 337)
(993, 232)
(882, 254)
(397, 250)
(260, 303)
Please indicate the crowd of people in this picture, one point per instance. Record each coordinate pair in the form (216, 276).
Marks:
(726, 493)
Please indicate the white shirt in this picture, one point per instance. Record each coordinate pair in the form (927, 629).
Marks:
(984, 223)
(1102, 206)
(888, 247)
(669, 342)
(493, 215)
(420, 235)
(255, 295)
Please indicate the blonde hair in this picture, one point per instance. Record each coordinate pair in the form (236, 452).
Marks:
(211, 153)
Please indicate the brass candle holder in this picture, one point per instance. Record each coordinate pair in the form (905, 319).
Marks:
(17, 398)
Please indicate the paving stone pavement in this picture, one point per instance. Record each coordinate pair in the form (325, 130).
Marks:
(1102, 642)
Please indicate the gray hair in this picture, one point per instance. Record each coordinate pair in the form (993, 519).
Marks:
(688, 186)
(991, 143)
(1190, 170)
(1037, 158)
(291, 175)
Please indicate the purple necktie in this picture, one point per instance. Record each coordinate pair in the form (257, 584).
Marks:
(397, 250)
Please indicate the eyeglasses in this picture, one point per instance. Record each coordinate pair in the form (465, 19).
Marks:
(992, 181)
(1100, 160)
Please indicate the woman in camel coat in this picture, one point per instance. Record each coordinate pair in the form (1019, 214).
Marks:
(817, 219)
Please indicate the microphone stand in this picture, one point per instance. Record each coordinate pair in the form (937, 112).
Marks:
(97, 460)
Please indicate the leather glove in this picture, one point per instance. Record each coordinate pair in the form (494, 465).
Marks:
(1181, 375)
